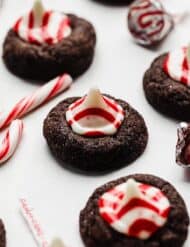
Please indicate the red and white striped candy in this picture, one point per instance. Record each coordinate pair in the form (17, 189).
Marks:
(95, 115)
(24, 106)
(135, 209)
(177, 66)
(39, 97)
(149, 22)
(11, 140)
(40, 26)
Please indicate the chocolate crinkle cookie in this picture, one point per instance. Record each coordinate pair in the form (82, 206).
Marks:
(42, 62)
(2, 235)
(95, 153)
(96, 231)
(167, 95)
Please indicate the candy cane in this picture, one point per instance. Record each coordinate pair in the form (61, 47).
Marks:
(31, 102)
(11, 140)
(13, 135)
(35, 227)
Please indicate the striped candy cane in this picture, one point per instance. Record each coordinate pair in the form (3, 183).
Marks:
(38, 98)
(13, 135)
(11, 140)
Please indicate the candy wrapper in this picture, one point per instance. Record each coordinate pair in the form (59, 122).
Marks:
(149, 22)
(183, 145)
(35, 227)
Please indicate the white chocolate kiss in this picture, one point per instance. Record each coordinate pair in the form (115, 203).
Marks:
(100, 115)
(127, 204)
(56, 28)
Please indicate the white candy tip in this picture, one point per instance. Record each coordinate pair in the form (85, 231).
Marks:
(38, 4)
(132, 189)
(94, 90)
(38, 10)
(57, 242)
(95, 99)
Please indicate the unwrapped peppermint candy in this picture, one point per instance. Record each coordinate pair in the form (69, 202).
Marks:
(183, 145)
(148, 22)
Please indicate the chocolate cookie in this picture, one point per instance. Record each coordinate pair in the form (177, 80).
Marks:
(168, 96)
(74, 54)
(2, 235)
(95, 231)
(95, 154)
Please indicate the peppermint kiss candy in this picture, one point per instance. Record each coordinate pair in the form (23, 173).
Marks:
(95, 115)
(177, 65)
(135, 209)
(183, 145)
(40, 26)
(148, 21)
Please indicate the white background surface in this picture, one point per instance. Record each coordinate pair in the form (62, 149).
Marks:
(119, 64)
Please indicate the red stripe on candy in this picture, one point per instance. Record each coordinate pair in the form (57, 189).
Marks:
(17, 25)
(142, 225)
(165, 64)
(148, 23)
(45, 22)
(112, 105)
(110, 218)
(31, 20)
(146, 6)
(94, 133)
(16, 110)
(30, 27)
(161, 24)
(185, 70)
(117, 193)
(56, 88)
(7, 146)
(165, 213)
(77, 103)
(94, 111)
(136, 203)
(106, 203)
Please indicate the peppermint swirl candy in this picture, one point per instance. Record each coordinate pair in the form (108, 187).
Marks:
(148, 22)
(177, 65)
(43, 27)
(95, 115)
(135, 209)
